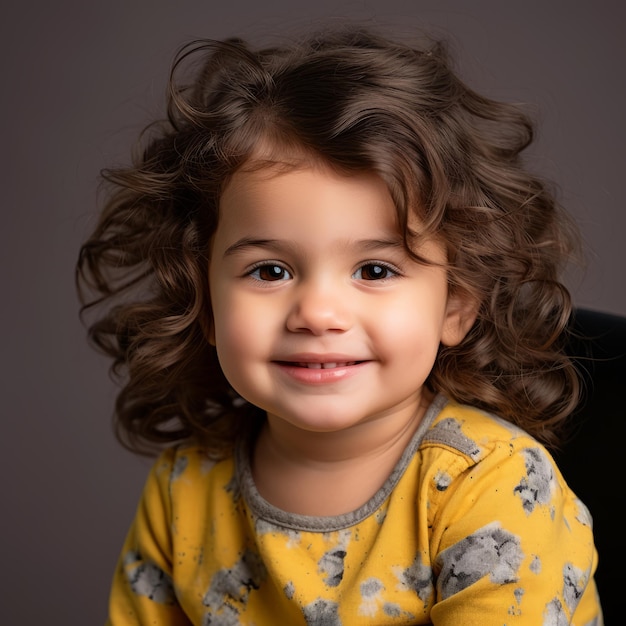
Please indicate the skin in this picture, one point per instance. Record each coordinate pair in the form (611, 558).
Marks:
(322, 319)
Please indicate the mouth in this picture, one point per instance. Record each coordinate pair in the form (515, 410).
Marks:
(325, 365)
(318, 369)
(318, 364)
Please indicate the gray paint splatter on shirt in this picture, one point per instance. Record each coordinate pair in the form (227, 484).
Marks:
(490, 551)
(229, 616)
(371, 594)
(230, 588)
(448, 432)
(147, 579)
(535, 565)
(371, 587)
(393, 610)
(418, 577)
(574, 583)
(583, 515)
(536, 487)
(332, 562)
(322, 613)
(263, 527)
(554, 614)
(180, 465)
(289, 589)
(442, 481)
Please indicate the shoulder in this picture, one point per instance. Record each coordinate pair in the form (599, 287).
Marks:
(484, 454)
(470, 430)
(179, 459)
(182, 470)
(475, 435)
(499, 512)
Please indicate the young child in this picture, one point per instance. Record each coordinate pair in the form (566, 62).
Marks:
(333, 289)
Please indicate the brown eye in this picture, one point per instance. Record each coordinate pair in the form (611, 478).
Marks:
(374, 271)
(270, 272)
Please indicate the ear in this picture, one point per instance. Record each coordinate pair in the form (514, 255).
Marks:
(461, 312)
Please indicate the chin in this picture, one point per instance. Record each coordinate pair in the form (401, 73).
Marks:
(321, 420)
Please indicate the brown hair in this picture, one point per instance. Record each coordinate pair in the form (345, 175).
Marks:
(356, 101)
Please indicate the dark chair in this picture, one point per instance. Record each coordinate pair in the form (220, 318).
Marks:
(590, 459)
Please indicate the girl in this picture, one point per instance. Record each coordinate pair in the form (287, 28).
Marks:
(334, 287)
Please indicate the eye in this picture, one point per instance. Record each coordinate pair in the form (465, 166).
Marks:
(374, 271)
(269, 272)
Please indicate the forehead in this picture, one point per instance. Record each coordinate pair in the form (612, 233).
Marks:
(309, 192)
(317, 210)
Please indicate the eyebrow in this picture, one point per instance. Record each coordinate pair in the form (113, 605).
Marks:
(276, 244)
(252, 242)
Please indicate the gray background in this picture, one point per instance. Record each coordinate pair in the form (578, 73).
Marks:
(79, 79)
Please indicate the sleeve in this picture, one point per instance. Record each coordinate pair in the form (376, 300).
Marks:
(513, 544)
(142, 590)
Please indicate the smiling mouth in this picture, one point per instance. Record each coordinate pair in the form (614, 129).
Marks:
(320, 366)
(327, 366)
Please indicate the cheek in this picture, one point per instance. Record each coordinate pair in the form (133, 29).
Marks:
(241, 330)
(233, 347)
(409, 329)
(231, 331)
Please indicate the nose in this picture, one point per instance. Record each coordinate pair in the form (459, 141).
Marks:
(319, 307)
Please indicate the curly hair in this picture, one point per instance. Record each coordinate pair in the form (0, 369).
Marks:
(355, 101)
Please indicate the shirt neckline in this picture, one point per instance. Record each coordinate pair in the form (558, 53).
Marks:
(266, 511)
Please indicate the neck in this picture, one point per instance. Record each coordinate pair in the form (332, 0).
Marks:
(330, 473)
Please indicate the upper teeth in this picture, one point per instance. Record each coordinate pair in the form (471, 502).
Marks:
(325, 366)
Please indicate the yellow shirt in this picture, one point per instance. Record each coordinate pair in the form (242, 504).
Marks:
(474, 526)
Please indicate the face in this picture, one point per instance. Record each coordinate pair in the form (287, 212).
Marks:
(320, 317)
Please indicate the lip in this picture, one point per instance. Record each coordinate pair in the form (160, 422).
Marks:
(315, 369)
